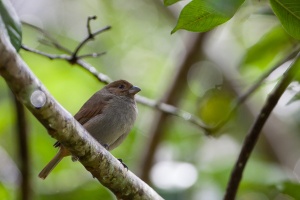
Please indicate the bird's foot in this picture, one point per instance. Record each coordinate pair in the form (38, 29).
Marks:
(74, 158)
(106, 146)
(124, 165)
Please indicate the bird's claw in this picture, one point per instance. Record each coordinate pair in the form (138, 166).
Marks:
(106, 146)
(74, 158)
(124, 165)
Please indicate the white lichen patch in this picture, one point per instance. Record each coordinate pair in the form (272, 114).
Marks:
(38, 99)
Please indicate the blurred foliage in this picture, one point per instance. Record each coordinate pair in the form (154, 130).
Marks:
(270, 50)
(140, 49)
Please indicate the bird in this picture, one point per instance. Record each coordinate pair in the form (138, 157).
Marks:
(108, 116)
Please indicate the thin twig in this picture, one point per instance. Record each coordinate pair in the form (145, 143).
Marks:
(48, 55)
(172, 110)
(50, 41)
(254, 132)
(91, 55)
(55, 45)
(92, 70)
(88, 38)
(88, 24)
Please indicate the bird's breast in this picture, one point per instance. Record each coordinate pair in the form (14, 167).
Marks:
(115, 121)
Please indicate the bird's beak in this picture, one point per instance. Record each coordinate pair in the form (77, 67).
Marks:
(133, 90)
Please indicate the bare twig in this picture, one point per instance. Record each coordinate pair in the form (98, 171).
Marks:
(56, 45)
(93, 55)
(254, 132)
(50, 41)
(88, 27)
(172, 110)
(92, 70)
(48, 55)
(89, 37)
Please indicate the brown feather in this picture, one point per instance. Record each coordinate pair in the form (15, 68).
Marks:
(94, 106)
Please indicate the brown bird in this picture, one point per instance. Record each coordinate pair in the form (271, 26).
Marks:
(108, 116)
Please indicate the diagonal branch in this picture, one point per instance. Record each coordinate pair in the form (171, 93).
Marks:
(63, 127)
(254, 132)
(172, 110)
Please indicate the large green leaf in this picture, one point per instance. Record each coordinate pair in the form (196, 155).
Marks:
(9, 21)
(204, 15)
(288, 12)
(269, 50)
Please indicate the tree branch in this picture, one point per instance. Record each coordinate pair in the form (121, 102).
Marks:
(254, 132)
(62, 126)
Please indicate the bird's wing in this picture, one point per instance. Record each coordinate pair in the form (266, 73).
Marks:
(94, 106)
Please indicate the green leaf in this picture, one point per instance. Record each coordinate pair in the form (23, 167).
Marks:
(170, 2)
(288, 12)
(9, 21)
(204, 15)
(269, 50)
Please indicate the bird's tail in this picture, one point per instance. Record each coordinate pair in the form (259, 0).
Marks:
(50, 166)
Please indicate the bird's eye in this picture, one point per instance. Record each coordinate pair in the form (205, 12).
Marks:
(121, 86)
